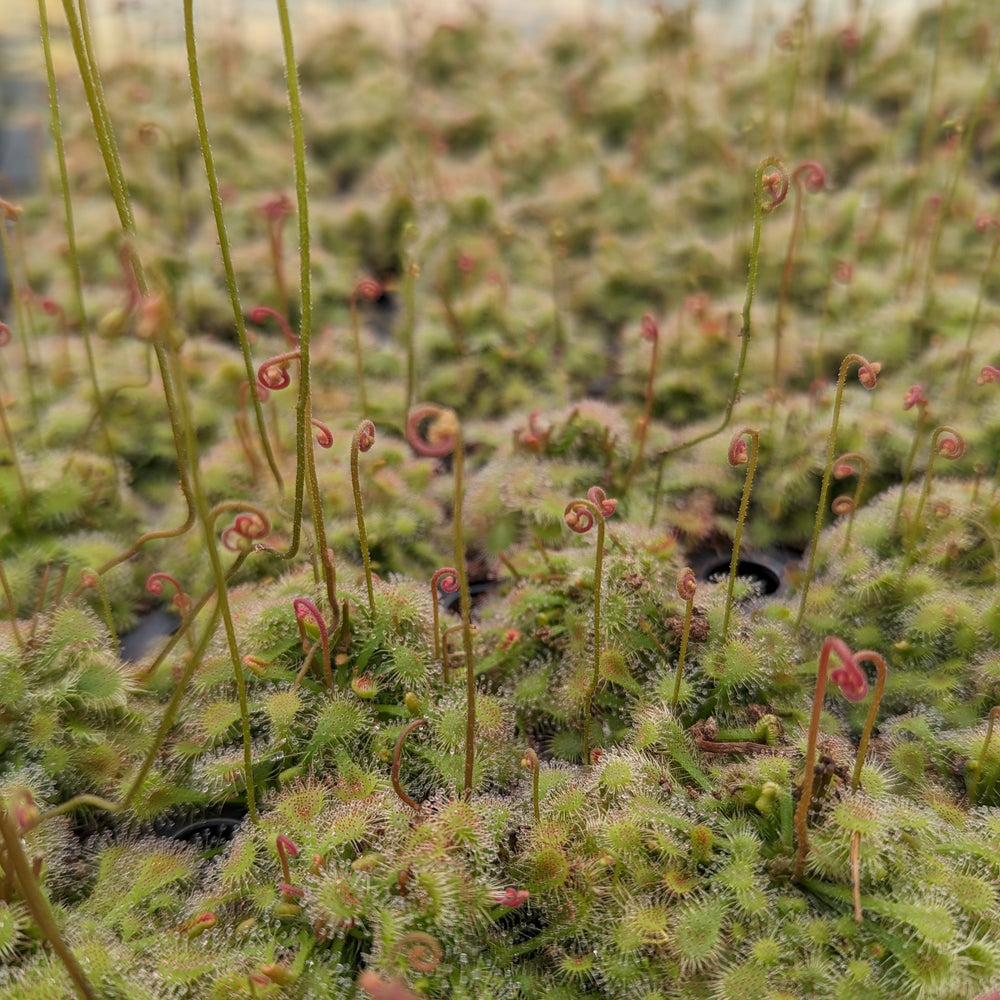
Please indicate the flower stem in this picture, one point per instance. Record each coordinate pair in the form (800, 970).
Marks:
(760, 207)
(74, 260)
(363, 439)
(197, 96)
(740, 520)
(587, 513)
(867, 373)
(866, 732)
(39, 908)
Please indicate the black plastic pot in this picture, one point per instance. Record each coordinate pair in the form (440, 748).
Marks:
(766, 568)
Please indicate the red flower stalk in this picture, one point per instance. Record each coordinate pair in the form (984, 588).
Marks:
(306, 610)
(914, 396)
(843, 467)
(273, 373)
(275, 210)
(396, 756)
(852, 682)
(447, 579)
(774, 180)
(242, 424)
(324, 436)
(154, 585)
(431, 430)
(198, 924)
(597, 496)
(287, 849)
(260, 313)
(535, 438)
(510, 897)
(246, 529)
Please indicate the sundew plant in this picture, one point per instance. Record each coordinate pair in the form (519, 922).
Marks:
(501, 515)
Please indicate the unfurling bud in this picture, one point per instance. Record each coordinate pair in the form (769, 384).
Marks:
(687, 585)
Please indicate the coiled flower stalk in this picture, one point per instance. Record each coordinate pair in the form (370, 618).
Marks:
(434, 431)
(740, 454)
(580, 516)
(949, 444)
(687, 587)
(868, 372)
(851, 463)
(364, 438)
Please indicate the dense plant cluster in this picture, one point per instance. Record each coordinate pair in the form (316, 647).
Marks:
(657, 657)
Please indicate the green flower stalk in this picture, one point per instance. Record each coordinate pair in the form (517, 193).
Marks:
(9, 212)
(841, 273)
(72, 255)
(154, 318)
(89, 578)
(977, 770)
(949, 444)
(989, 373)
(8, 596)
(38, 905)
(740, 454)
(8, 435)
(370, 290)
(215, 193)
(772, 178)
(305, 467)
(842, 468)
(984, 223)
(687, 587)
(580, 516)
(869, 725)
(364, 438)
(868, 376)
(648, 330)
(446, 653)
(530, 761)
(411, 271)
(914, 396)
(809, 176)
(434, 431)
